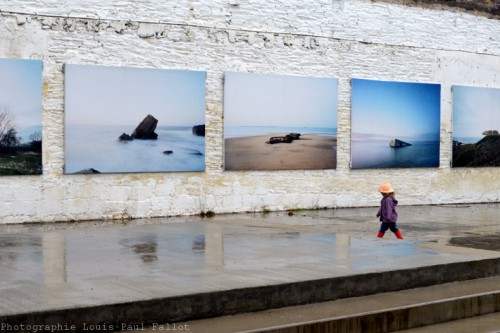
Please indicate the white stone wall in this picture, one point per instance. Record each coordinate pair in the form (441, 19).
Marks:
(331, 38)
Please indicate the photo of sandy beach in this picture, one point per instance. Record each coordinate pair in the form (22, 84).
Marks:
(279, 122)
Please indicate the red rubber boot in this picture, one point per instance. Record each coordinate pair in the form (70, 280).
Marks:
(380, 234)
(398, 234)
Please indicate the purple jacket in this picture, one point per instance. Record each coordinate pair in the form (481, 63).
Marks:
(387, 211)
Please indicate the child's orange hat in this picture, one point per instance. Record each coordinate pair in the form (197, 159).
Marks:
(385, 188)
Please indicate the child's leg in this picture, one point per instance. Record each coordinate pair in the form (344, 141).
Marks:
(395, 230)
(383, 228)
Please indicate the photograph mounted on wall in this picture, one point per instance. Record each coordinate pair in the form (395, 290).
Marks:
(20, 117)
(476, 127)
(127, 119)
(279, 122)
(395, 124)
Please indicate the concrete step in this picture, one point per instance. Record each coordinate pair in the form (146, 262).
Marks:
(260, 297)
(384, 312)
(482, 324)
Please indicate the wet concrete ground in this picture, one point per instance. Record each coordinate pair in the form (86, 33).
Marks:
(71, 265)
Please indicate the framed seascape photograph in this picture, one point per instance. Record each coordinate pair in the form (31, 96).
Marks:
(126, 119)
(20, 117)
(476, 126)
(395, 124)
(279, 122)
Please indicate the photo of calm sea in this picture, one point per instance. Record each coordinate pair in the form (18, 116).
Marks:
(103, 151)
(378, 154)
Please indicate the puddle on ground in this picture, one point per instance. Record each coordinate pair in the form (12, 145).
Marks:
(482, 242)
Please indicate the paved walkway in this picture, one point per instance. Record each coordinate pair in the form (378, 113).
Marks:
(52, 268)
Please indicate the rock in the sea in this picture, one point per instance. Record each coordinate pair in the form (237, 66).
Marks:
(199, 153)
(193, 152)
(168, 152)
(199, 130)
(146, 129)
(396, 143)
(125, 137)
(87, 171)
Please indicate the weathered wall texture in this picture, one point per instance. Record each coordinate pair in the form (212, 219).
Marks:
(332, 38)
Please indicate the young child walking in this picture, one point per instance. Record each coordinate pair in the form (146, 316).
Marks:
(387, 212)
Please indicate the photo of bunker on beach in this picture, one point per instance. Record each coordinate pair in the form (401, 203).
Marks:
(279, 122)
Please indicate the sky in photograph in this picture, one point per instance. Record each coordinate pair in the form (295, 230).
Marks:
(21, 94)
(103, 95)
(279, 100)
(396, 109)
(475, 110)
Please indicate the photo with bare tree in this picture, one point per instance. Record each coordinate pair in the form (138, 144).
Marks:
(20, 117)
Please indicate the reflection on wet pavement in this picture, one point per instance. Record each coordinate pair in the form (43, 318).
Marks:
(485, 242)
(145, 247)
(115, 262)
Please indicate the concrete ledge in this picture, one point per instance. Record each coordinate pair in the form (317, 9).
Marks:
(391, 320)
(230, 302)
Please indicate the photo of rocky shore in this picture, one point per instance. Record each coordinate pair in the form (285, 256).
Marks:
(124, 119)
(476, 125)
